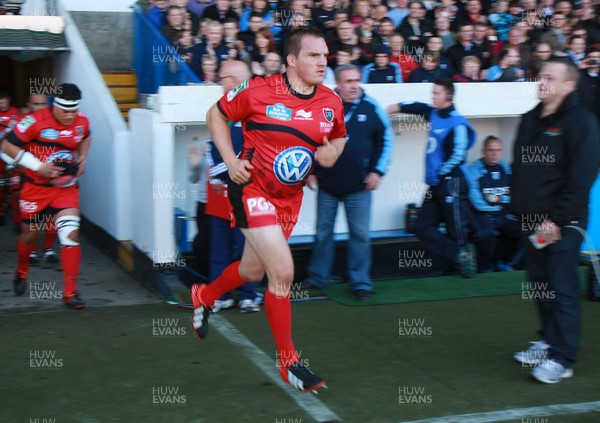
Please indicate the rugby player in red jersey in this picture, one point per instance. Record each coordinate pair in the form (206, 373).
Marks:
(51, 145)
(8, 118)
(289, 121)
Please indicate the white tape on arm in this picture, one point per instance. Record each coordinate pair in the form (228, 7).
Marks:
(7, 159)
(29, 161)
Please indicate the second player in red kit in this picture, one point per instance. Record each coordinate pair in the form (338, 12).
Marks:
(289, 122)
(51, 146)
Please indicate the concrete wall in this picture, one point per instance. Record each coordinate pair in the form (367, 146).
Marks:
(109, 37)
(179, 122)
(105, 187)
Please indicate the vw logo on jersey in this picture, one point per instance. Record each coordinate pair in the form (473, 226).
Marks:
(63, 156)
(431, 145)
(293, 165)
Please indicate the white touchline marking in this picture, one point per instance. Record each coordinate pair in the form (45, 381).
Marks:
(308, 402)
(516, 413)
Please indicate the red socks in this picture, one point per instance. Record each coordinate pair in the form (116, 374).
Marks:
(229, 280)
(50, 236)
(279, 314)
(70, 258)
(23, 251)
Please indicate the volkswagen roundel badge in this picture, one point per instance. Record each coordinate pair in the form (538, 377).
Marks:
(293, 165)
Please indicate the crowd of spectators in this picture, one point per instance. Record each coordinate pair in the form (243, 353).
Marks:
(392, 41)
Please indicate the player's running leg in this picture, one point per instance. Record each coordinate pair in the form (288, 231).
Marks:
(270, 245)
(249, 268)
(26, 243)
(67, 228)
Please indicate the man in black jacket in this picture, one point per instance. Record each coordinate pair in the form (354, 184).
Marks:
(355, 174)
(556, 156)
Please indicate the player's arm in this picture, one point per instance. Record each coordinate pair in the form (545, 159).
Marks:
(84, 147)
(26, 159)
(221, 135)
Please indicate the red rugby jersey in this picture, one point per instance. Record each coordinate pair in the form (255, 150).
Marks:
(48, 140)
(7, 120)
(282, 129)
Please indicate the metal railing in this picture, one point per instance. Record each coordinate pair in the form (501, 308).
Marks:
(157, 62)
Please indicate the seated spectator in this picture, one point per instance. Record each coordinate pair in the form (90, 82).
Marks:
(384, 31)
(515, 10)
(174, 24)
(589, 89)
(382, 71)
(516, 41)
(470, 70)
(464, 47)
(405, 60)
(547, 6)
(220, 11)
(323, 16)
(397, 11)
(339, 16)
(367, 42)
(507, 69)
(501, 20)
(449, 10)
(259, 7)
(273, 64)
(157, 13)
(346, 36)
(248, 37)
(209, 69)
(442, 30)
(543, 52)
(185, 46)
(362, 9)
(472, 14)
(416, 28)
(237, 49)
(380, 12)
(196, 7)
(429, 70)
(556, 36)
(480, 40)
(263, 44)
(489, 192)
(213, 46)
(343, 57)
(576, 49)
(434, 46)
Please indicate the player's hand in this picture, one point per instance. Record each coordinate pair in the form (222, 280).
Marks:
(312, 182)
(327, 154)
(80, 167)
(372, 181)
(49, 170)
(239, 171)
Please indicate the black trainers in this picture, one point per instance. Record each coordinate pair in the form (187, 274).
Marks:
(74, 302)
(200, 319)
(50, 256)
(362, 295)
(467, 260)
(19, 284)
(301, 378)
(34, 258)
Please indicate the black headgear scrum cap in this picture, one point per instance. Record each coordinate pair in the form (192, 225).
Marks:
(68, 97)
